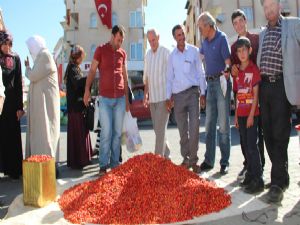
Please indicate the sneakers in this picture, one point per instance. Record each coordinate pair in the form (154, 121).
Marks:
(205, 166)
(241, 175)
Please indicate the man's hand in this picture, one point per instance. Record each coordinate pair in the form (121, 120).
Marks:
(86, 97)
(146, 101)
(169, 105)
(127, 106)
(202, 101)
(20, 113)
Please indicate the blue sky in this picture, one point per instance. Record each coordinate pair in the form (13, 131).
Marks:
(43, 17)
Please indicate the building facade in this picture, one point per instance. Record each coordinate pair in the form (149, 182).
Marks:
(222, 10)
(83, 26)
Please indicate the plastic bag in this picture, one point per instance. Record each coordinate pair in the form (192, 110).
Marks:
(133, 138)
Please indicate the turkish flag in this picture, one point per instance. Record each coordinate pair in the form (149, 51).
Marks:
(103, 8)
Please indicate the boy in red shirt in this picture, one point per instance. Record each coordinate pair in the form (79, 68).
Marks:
(246, 115)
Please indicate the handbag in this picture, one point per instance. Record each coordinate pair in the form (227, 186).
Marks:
(88, 114)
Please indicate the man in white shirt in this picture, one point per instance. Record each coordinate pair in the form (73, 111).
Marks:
(155, 75)
(184, 78)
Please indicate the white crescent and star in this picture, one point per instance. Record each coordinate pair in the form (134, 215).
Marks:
(104, 7)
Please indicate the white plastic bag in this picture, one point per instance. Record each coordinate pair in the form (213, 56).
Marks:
(132, 135)
(96, 113)
(223, 82)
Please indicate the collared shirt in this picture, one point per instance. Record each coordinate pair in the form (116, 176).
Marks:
(155, 73)
(111, 62)
(185, 70)
(254, 40)
(215, 52)
(271, 54)
(246, 80)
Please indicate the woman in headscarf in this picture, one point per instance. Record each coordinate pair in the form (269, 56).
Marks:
(79, 148)
(43, 115)
(2, 95)
(10, 130)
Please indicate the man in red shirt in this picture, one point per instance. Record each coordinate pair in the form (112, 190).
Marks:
(110, 60)
(239, 23)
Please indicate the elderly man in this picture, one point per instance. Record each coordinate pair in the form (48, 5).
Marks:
(155, 76)
(184, 78)
(278, 59)
(216, 52)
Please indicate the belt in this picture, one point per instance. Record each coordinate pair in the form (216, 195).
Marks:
(213, 77)
(188, 89)
(271, 78)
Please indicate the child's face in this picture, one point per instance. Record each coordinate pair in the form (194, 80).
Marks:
(243, 53)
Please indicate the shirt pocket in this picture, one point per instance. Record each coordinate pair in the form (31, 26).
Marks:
(187, 66)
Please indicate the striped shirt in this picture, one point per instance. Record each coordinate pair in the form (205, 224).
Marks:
(271, 57)
(155, 73)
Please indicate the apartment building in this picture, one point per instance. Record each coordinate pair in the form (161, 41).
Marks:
(83, 26)
(222, 10)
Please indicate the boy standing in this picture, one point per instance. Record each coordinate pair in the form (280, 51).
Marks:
(246, 116)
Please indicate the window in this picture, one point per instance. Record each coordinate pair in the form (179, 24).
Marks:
(136, 51)
(248, 12)
(93, 20)
(136, 19)
(93, 49)
(114, 19)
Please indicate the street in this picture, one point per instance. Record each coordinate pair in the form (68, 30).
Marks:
(287, 213)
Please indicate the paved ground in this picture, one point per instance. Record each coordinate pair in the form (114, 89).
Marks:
(286, 213)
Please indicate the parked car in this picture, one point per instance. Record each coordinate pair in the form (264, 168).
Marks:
(138, 109)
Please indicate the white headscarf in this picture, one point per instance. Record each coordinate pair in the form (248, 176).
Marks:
(35, 44)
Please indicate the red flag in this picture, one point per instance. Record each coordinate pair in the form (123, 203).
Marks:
(103, 8)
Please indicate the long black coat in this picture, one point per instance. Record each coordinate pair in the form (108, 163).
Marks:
(75, 88)
(10, 131)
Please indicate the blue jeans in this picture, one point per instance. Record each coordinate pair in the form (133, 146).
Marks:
(112, 112)
(217, 110)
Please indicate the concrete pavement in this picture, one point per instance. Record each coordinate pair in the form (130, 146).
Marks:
(287, 213)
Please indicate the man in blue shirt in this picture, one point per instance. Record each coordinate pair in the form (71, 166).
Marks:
(184, 77)
(216, 52)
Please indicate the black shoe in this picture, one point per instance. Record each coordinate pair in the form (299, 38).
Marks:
(242, 174)
(223, 170)
(196, 168)
(95, 152)
(275, 194)
(268, 185)
(255, 186)
(57, 173)
(205, 167)
(185, 165)
(246, 181)
(102, 171)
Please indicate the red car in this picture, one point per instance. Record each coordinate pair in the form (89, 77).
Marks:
(137, 107)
